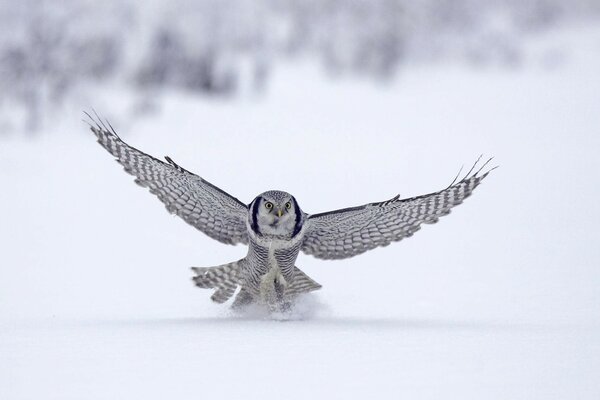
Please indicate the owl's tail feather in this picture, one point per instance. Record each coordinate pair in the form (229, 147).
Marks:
(226, 278)
(302, 284)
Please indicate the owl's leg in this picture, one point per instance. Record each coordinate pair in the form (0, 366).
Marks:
(283, 302)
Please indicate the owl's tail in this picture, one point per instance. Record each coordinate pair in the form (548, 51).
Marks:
(224, 278)
(227, 277)
(302, 284)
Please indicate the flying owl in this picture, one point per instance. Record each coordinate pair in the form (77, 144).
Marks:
(274, 226)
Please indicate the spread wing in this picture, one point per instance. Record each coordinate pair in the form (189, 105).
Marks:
(352, 231)
(200, 204)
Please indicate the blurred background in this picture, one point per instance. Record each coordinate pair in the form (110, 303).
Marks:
(340, 103)
(57, 55)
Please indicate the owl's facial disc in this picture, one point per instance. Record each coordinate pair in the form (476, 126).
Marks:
(275, 214)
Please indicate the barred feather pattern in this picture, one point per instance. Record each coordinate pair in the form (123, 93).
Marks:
(348, 232)
(258, 265)
(227, 277)
(224, 278)
(262, 259)
(198, 202)
(302, 284)
(285, 259)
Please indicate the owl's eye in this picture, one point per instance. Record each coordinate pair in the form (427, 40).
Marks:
(269, 205)
(288, 205)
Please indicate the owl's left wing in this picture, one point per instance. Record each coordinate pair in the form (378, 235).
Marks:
(197, 201)
(352, 231)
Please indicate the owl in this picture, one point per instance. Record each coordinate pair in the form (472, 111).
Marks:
(274, 227)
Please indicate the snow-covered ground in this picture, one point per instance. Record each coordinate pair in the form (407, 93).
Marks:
(499, 300)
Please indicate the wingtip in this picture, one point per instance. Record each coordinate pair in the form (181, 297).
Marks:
(93, 124)
(97, 124)
(470, 174)
(490, 170)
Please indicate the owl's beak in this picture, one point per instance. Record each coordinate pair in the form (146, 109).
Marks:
(279, 212)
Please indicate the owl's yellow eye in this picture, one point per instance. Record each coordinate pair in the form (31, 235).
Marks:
(288, 205)
(269, 205)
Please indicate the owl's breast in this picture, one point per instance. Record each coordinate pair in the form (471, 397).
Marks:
(285, 258)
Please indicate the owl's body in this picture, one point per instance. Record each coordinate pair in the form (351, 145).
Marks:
(268, 273)
(275, 228)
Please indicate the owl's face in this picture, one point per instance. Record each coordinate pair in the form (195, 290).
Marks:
(275, 213)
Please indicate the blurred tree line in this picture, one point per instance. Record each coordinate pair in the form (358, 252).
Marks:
(52, 51)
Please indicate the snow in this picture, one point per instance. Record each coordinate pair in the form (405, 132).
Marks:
(499, 300)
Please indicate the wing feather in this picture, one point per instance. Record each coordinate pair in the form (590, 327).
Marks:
(351, 231)
(197, 201)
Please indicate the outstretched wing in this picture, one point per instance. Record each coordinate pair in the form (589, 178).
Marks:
(198, 202)
(352, 231)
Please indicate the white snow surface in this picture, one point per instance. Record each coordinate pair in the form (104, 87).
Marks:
(499, 300)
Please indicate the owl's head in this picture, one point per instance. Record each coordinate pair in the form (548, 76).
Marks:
(275, 213)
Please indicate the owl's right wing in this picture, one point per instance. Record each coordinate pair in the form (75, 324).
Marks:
(352, 231)
(198, 202)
